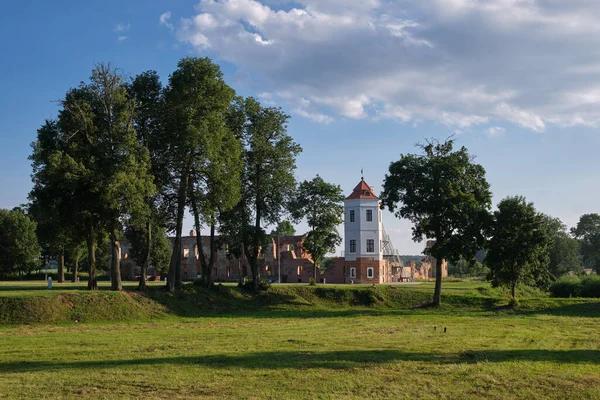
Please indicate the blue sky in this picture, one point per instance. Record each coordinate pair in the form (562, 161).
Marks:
(364, 80)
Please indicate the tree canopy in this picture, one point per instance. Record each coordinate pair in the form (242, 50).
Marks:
(587, 232)
(19, 248)
(321, 203)
(518, 245)
(446, 196)
(284, 228)
(563, 251)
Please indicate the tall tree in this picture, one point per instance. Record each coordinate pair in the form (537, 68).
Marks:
(445, 195)
(268, 181)
(19, 248)
(321, 203)
(284, 228)
(518, 245)
(198, 140)
(587, 232)
(100, 165)
(149, 121)
(564, 250)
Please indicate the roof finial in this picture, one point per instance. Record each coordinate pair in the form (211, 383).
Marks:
(362, 174)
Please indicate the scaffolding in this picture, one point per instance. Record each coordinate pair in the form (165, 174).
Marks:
(400, 272)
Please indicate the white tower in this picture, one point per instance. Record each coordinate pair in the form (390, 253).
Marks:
(363, 226)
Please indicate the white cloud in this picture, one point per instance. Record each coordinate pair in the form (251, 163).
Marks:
(495, 131)
(461, 63)
(164, 20)
(122, 27)
(122, 38)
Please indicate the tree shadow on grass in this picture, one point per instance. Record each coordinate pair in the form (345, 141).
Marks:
(334, 360)
(566, 308)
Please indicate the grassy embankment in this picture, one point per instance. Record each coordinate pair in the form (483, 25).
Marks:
(302, 342)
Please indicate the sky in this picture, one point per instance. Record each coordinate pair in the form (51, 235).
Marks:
(516, 81)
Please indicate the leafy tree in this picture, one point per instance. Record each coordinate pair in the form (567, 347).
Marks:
(99, 166)
(587, 232)
(268, 181)
(518, 245)
(464, 268)
(149, 120)
(56, 228)
(447, 198)
(321, 203)
(158, 243)
(564, 255)
(284, 228)
(199, 146)
(19, 248)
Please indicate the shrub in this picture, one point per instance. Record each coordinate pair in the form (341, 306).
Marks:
(566, 286)
(590, 286)
(572, 286)
(263, 285)
(312, 282)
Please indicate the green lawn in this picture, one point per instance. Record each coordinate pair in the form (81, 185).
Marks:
(329, 352)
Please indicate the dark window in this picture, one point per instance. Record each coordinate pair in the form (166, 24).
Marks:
(353, 246)
(351, 215)
(369, 215)
(352, 272)
(369, 272)
(370, 246)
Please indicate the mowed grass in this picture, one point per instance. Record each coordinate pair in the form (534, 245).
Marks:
(328, 352)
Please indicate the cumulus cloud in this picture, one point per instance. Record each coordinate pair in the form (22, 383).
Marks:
(462, 63)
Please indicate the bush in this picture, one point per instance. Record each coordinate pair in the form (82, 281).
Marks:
(572, 286)
(590, 286)
(263, 285)
(312, 282)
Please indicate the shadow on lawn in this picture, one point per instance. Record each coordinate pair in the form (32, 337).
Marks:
(334, 360)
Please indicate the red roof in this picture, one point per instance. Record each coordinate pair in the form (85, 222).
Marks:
(362, 191)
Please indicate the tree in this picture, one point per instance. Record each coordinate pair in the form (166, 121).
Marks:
(19, 248)
(149, 121)
(56, 228)
(518, 245)
(96, 164)
(587, 232)
(564, 250)
(268, 181)
(447, 198)
(321, 203)
(464, 268)
(158, 243)
(284, 228)
(199, 144)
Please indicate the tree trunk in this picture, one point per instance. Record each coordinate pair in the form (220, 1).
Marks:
(146, 263)
(61, 267)
(115, 262)
(175, 265)
(91, 244)
(437, 293)
(206, 268)
(512, 291)
(240, 277)
(211, 258)
(75, 268)
(315, 270)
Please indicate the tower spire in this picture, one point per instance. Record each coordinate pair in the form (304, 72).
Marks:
(362, 174)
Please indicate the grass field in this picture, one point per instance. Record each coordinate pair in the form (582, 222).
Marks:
(301, 342)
